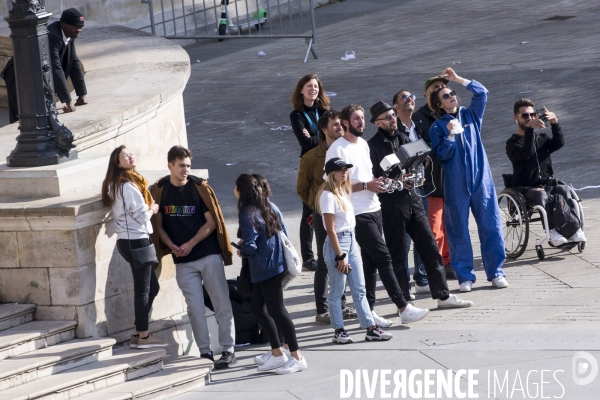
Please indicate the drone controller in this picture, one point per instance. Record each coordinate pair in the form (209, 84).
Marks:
(405, 168)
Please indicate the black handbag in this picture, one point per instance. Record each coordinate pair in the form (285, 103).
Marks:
(144, 256)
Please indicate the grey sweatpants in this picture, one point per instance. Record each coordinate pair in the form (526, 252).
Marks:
(209, 271)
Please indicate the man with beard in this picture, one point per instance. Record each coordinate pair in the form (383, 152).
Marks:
(310, 178)
(353, 149)
(529, 153)
(434, 187)
(405, 209)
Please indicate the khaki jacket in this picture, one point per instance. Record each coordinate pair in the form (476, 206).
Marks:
(310, 174)
(210, 199)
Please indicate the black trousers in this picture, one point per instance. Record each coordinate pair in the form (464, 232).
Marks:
(540, 198)
(306, 235)
(11, 91)
(404, 213)
(376, 257)
(145, 283)
(320, 282)
(267, 306)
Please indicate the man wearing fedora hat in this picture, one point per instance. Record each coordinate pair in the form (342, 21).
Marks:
(64, 62)
(405, 209)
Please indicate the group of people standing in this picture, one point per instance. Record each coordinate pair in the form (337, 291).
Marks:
(180, 215)
(367, 230)
(362, 229)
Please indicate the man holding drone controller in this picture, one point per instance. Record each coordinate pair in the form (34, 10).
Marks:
(405, 208)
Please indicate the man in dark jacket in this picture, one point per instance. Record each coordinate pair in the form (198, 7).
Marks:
(64, 61)
(402, 211)
(433, 187)
(532, 165)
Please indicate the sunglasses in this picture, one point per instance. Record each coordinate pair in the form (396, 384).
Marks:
(527, 116)
(407, 96)
(389, 118)
(446, 96)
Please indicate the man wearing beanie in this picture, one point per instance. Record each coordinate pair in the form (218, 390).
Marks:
(405, 209)
(64, 61)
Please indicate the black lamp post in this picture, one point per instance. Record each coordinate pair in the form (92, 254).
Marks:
(43, 139)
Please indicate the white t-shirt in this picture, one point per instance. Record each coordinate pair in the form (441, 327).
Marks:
(357, 154)
(344, 220)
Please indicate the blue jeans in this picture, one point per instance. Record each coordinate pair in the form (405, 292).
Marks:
(337, 281)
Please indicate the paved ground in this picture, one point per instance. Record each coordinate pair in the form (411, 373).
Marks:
(551, 309)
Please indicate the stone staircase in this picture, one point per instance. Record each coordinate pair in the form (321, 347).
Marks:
(44, 360)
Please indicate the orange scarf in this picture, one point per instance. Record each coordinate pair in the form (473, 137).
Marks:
(142, 185)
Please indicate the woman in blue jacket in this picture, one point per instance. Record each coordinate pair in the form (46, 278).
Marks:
(468, 183)
(260, 224)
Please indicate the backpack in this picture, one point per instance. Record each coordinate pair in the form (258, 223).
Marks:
(565, 221)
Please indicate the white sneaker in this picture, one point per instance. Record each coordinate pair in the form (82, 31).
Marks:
(422, 289)
(412, 314)
(466, 286)
(578, 237)
(454, 302)
(273, 362)
(382, 322)
(500, 282)
(260, 360)
(292, 365)
(556, 239)
(412, 296)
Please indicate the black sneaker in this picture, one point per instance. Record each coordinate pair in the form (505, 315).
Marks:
(208, 356)
(376, 333)
(225, 361)
(449, 273)
(341, 337)
(310, 265)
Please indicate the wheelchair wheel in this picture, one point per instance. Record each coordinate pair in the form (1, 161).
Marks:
(515, 225)
(581, 246)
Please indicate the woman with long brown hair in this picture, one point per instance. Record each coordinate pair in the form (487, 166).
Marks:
(132, 205)
(260, 224)
(310, 102)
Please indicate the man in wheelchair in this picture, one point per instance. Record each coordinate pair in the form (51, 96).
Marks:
(529, 153)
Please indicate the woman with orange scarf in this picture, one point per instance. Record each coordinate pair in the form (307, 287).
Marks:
(132, 205)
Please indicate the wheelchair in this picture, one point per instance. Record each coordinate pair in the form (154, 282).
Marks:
(517, 214)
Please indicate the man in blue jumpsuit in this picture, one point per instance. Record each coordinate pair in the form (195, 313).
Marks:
(468, 182)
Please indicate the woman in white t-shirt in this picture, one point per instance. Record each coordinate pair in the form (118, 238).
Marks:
(341, 253)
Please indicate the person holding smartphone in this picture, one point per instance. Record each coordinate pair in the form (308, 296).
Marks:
(341, 253)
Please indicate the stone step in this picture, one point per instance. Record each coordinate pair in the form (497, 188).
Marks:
(179, 375)
(12, 315)
(123, 366)
(33, 336)
(52, 360)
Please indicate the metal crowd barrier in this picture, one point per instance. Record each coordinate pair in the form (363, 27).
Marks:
(234, 19)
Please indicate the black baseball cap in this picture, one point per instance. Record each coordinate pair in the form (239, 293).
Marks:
(336, 164)
(72, 16)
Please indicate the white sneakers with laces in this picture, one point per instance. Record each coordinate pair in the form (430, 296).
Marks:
(454, 302)
(578, 237)
(412, 314)
(422, 289)
(466, 286)
(292, 365)
(273, 362)
(382, 322)
(500, 282)
(556, 239)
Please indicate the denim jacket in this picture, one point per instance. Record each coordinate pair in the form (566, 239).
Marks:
(265, 255)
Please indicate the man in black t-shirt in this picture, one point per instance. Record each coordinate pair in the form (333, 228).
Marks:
(188, 227)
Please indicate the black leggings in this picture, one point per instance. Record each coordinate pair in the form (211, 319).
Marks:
(145, 283)
(267, 306)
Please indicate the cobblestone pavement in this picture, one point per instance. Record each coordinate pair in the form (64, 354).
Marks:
(551, 309)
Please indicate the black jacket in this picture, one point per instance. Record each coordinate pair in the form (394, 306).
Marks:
(65, 64)
(381, 145)
(299, 122)
(530, 155)
(423, 119)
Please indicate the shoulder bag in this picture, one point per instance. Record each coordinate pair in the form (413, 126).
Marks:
(144, 256)
(292, 260)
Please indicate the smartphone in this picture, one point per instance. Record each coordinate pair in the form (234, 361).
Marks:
(235, 245)
(542, 114)
(349, 269)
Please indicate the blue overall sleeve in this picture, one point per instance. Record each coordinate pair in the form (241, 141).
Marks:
(478, 102)
(441, 145)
